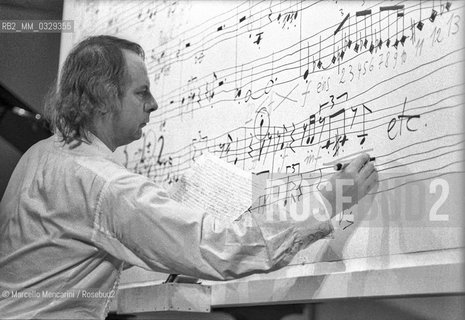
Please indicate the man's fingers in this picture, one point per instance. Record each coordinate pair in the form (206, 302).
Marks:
(357, 164)
(367, 169)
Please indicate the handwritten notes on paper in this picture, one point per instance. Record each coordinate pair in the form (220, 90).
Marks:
(216, 187)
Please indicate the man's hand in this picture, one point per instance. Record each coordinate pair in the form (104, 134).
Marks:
(347, 186)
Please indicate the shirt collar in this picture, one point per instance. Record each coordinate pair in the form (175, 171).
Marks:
(99, 145)
(95, 147)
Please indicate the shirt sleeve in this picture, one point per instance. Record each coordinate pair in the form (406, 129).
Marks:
(137, 222)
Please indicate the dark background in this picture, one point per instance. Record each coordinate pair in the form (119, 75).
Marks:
(28, 67)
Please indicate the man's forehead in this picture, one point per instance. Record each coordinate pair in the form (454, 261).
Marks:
(136, 67)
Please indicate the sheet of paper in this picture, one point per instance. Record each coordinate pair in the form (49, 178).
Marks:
(217, 187)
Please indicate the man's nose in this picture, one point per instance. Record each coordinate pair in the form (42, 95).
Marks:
(151, 105)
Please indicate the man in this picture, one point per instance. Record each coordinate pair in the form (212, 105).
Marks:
(72, 215)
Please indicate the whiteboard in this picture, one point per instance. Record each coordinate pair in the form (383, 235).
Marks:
(288, 88)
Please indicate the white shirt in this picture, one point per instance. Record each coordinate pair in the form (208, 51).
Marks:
(70, 219)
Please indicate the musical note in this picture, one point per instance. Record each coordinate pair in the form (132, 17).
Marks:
(363, 135)
(319, 57)
(364, 14)
(238, 88)
(331, 116)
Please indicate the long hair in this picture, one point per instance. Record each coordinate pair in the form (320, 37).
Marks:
(92, 82)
